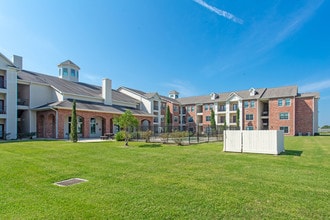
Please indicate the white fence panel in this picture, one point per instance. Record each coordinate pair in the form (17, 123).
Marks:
(232, 141)
(265, 142)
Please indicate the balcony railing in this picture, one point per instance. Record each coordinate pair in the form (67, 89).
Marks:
(3, 84)
(3, 110)
(23, 102)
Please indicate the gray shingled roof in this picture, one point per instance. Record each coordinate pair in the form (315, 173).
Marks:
(287, 91)
(150, 95)
(221, 97)
(70, 87)
(97, 107)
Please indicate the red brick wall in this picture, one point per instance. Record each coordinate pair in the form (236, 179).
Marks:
(274, 115)
(46, 122)
(249, 110)
(304, 115)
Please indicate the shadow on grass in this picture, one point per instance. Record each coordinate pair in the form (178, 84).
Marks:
(151, 145)
(297, 153)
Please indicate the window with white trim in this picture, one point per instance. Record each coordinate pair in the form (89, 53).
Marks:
(287, 102)
(284, 116)
(246, 104)
(285, 129)
(280, 102)
(249, 117)
(249, 128)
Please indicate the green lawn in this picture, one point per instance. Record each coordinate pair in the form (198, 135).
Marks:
(153, 181)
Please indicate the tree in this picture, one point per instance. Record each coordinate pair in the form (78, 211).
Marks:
(167, 119)
(74, 132)
(126, 122)
(212, 120)
(237, 117)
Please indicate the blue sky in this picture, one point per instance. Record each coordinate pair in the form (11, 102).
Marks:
(193, 46)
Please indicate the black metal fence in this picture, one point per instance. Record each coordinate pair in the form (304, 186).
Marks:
(179, 135)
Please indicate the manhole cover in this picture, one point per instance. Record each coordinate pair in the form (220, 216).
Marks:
(70, 182)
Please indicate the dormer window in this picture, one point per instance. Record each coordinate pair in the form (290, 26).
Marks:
(73, 72)
(65, 71)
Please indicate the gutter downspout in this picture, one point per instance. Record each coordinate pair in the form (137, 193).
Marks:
(56, 124)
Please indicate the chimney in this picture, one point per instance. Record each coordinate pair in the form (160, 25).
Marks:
(107, 91)
(18, 61)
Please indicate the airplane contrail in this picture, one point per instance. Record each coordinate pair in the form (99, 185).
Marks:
(220, 12)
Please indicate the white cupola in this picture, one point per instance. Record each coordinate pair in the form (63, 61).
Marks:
(68, 70)
(173, 94)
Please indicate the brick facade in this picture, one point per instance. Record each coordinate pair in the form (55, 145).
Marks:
(46, 122)
(274, 115)
(304, 115)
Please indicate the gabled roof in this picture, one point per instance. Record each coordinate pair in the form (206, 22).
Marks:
(70, 63)
(9, 63)
(70, 87)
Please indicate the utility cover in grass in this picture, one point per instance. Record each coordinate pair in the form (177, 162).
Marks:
(70, 182)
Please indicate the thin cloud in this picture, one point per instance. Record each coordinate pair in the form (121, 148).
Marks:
(220, 12)
(184, 88)
(316, 86)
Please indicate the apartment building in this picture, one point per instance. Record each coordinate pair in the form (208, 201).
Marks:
(40, 103)
(282, 108)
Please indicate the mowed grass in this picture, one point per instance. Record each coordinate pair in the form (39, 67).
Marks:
(154, 181)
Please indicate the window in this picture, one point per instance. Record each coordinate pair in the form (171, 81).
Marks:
(280, 102)
(233, 119)
(287, 102)
(285, 129)
(163, 105)
(192, 108)
(176, 119)
(222, 119)
(222, 108)
(284, 116)
(2, 82)
(65, 71)
(235, 107)
(246, 104)
(249, 128)
(93, 125)
(175, 108)
(249, 117)
(211, 107)
(190, 119)
(252, 104)
(73, 72)
(208, 118)
(206, 107)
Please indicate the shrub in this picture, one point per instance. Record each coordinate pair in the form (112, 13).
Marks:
(179, 136)
(120, 136)
(146, 135)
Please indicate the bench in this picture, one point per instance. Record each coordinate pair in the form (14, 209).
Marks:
(104, 137)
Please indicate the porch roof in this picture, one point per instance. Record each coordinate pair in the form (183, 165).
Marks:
(92, 106)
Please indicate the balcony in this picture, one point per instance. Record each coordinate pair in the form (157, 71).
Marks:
(24, 102)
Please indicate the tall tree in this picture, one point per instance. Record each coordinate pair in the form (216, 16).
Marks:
(212, 120)
(167, 119)
(127, 122)
(74, 132)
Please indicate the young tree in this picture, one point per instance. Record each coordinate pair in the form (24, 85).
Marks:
(237, 117)
(167, 119)
(126, 122)
(74, 132)
(213, 126)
